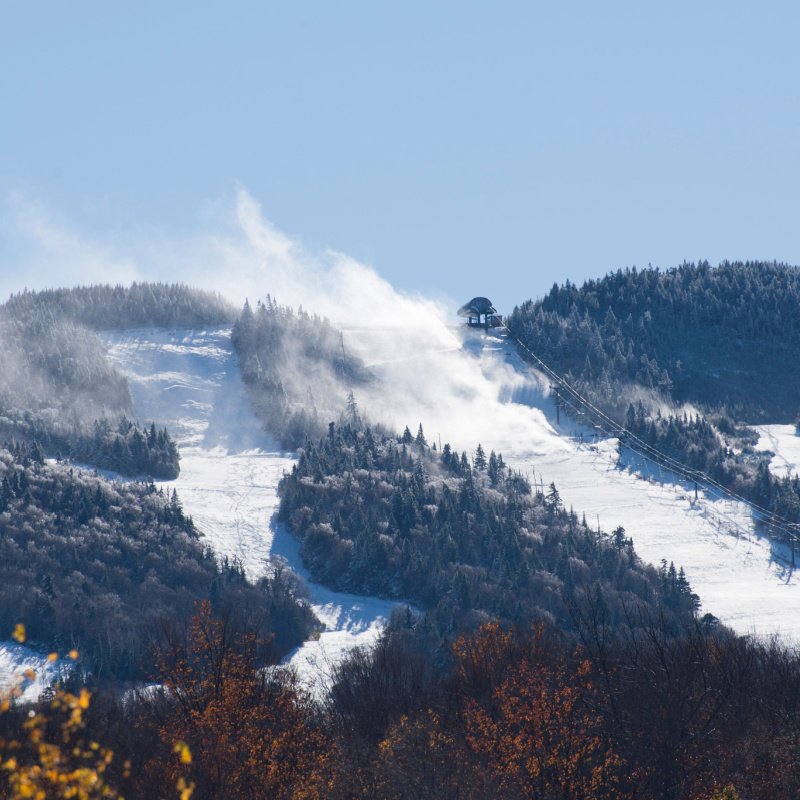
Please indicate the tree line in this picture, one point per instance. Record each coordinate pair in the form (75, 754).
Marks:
(104, 566)
(724, 338)
(463, 537)
(296, 369)
(140, 305)
(518, 712)
(126, 447)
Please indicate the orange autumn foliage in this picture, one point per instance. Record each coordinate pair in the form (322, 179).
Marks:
(422, 758)
(540, 730)
(482, 658)
(250, 731)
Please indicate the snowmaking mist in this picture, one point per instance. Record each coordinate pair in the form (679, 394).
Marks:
(467, 387)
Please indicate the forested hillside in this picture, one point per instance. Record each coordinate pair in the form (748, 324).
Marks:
(464, 538)
(140, 305)
(107, 567)
(60, 394)
(296, 368)
(57, 369)
(722, 337)
(516, 713)
(58, 390)
(524, 713)
(110, 567)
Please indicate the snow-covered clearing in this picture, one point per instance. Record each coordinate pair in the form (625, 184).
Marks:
(785, 443)
(230, 469)
(467, 387)
(16, 660)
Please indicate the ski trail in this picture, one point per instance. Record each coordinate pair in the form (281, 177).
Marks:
(230, 470)
(784, 442)
(468, 387)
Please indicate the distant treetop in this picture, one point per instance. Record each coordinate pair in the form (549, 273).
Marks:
(140, 305)
(725, 336)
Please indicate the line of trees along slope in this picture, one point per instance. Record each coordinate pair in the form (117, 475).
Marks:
(296, 369)
(465, 539)
(107, 567)
(140, 305)
(124, 447)
(719, 337)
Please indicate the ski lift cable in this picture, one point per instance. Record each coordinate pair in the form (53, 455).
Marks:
(718, 517)
(614, 428)
(731, 521)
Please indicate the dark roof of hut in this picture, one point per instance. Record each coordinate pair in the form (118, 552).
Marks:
(478, 305)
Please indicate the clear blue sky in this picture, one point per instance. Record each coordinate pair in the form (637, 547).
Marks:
(460, 148)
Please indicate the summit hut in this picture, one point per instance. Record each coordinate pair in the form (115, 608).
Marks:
(480, 313)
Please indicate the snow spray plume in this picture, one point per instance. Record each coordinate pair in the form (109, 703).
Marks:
(427, 369)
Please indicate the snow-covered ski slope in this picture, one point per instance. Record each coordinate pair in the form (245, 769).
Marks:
(784, 442)
(230, 469)
(467, 387)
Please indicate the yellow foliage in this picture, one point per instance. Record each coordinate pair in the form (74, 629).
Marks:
(727, 793)
(39, 769)
(185, 790)
(182, 749)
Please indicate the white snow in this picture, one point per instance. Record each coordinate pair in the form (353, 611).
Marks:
(230, 469)
(16, 659)
(785, 443)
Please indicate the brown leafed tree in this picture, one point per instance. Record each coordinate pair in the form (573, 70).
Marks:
(250, 731)
(541, 730)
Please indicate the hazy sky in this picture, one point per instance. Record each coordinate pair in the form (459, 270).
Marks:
(460, 148)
